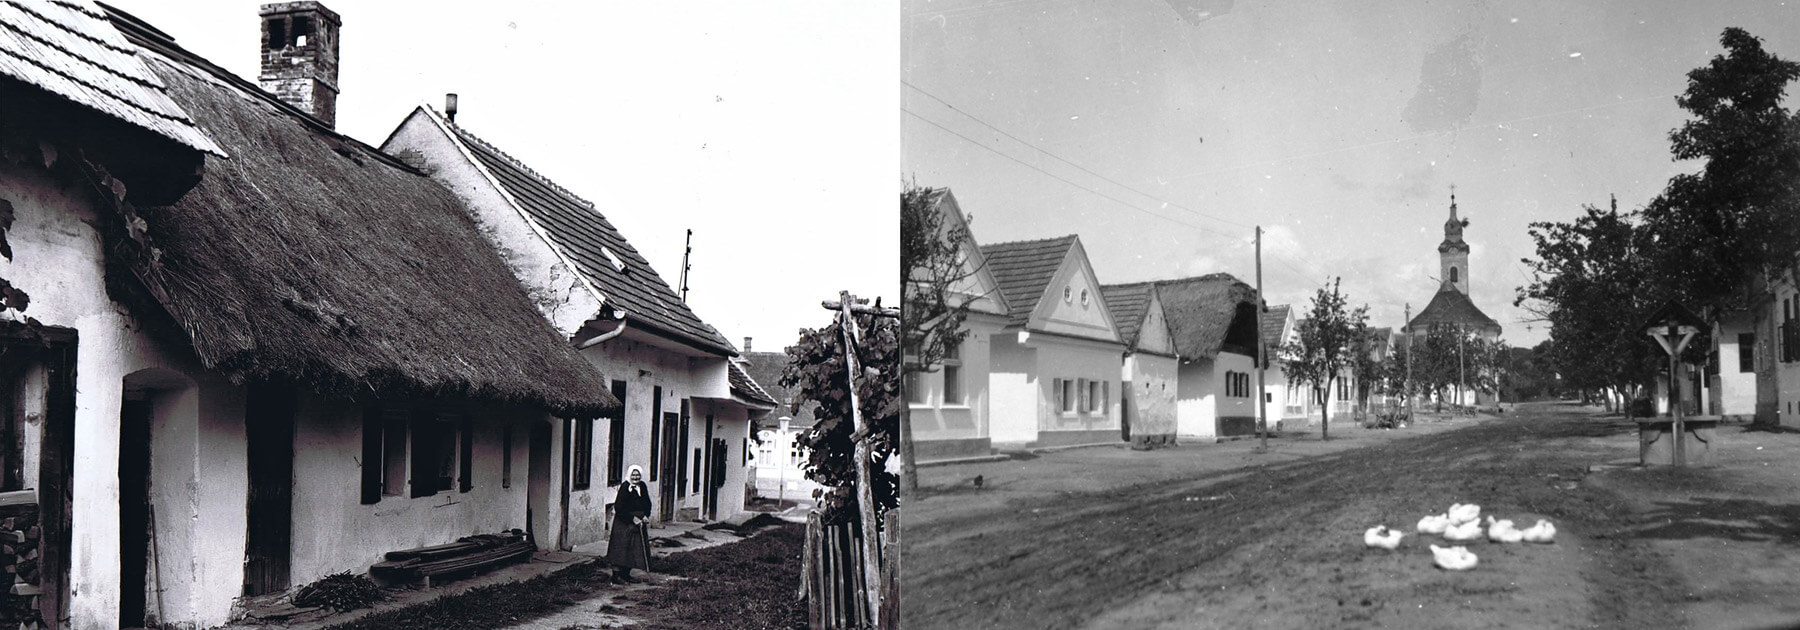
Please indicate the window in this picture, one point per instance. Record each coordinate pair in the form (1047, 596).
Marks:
(506, 455)
(953, 390)
(681, 460)
(615, 439)
(582, 464)
(393, 450)
(1343, 389)
(372, 463)
(1096, 397)
(465, 471)
(1746, 352)
(915, 388)
(1452, 274)
(433, 454)
(1064, 390)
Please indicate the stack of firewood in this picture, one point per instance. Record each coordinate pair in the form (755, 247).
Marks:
(19, 535)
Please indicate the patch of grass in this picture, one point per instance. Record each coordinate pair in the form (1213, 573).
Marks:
(750, 585)
(493, 606)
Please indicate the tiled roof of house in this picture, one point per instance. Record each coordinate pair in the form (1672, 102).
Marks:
(313, 259)
(1450, 306)
(1274, 323)
(743, 385)
(766, 368)
(579, 230)
(1129, 304)
(71, 49)
(1024, 269)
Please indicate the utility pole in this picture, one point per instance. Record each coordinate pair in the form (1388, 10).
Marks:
(688, 251)
(1462, 380)
(1262, 350)
(1409, 354)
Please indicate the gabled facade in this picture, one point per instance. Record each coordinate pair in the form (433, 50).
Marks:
(1212, 321)
(252, 404)
(950, 405)
(683, 420)
(1148, 374)
(1054, 367)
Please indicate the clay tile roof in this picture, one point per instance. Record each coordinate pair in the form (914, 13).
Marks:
(743, 385)
(766, 368)
(1024, 269)
(577, 228)
(1273, 324)
(70, 48)
(1450, 306)
(1129, 304)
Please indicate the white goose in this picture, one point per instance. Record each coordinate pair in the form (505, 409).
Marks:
(1460, 513)
(1542, 532)
(1453, 558)
(1465, 532)
(1381, 536)
(1433, 524)
(1502, 531)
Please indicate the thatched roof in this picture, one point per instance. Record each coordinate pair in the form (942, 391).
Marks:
(1024, 269)
(1450, 306)
(1130, 304)
(1274, 323)
(310, 258)
(1210, 314)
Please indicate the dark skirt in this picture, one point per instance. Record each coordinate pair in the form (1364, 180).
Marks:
(629, 545)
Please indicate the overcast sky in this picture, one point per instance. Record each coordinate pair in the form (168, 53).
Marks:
(1339, 126)
(767, 128)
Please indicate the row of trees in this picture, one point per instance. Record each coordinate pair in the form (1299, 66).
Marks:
(1703, 241)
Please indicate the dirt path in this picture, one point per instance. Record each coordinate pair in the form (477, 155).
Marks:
(1274, 540)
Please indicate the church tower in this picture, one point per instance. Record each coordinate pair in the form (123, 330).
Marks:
(1453, 253)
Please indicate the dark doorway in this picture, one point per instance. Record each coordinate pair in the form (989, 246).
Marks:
(53, 350)
(671, 436)
(709, 499)
(716, 473)
(134, 509)
(537, 483)
(269, 430)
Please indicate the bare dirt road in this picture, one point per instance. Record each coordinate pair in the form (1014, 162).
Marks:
(1219, 536)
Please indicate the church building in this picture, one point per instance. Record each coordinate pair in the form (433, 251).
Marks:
(1451, 305)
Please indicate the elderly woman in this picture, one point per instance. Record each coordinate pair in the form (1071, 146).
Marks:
(629, 546)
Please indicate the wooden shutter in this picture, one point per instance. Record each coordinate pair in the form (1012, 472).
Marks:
(466, 459)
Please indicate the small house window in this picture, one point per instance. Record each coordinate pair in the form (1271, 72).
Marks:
(1746, 352)
(583, 457)
(615, 438)
(915, 388)
(953, 389)
(1068, 294)
(1453, 274)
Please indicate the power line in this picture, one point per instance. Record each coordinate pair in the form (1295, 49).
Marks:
(1066, 161)
(1063, 179)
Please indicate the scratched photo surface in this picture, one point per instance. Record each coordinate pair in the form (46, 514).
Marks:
(1132, 174)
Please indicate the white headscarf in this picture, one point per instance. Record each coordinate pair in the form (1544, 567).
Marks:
(634, 469)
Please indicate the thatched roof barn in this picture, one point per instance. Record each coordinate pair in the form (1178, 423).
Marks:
(1210, 314)
(310, 258)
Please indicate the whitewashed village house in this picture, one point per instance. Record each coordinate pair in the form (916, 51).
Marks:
(302, 346)
(778, 459)
(687, 408)
(1212, 320)
(1054, 369)
(1147, 378)
(950, 406)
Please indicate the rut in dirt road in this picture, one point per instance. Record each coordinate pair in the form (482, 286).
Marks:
(1060, 563)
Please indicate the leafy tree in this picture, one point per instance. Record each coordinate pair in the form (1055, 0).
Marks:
(816, 370)
(934, 262)
(1739, 215)
(1588, 282)
(1324, 348)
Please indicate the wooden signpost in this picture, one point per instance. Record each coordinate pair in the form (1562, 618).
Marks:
(1673, 326)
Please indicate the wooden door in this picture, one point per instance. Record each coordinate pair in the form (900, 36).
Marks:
(134, 510)
(671, 434)
(269, 432)
(715, 475)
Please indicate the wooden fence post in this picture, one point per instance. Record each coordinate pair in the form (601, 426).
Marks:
(890, 569)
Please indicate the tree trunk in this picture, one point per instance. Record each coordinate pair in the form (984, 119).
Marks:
(1325, 413)
(909, 471)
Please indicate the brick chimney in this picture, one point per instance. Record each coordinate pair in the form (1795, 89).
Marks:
(300, 56)
(746, 345)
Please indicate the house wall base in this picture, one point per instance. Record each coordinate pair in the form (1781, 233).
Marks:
(1237, 425)
(1141, 442)
(1051, 439)
(935, 450)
